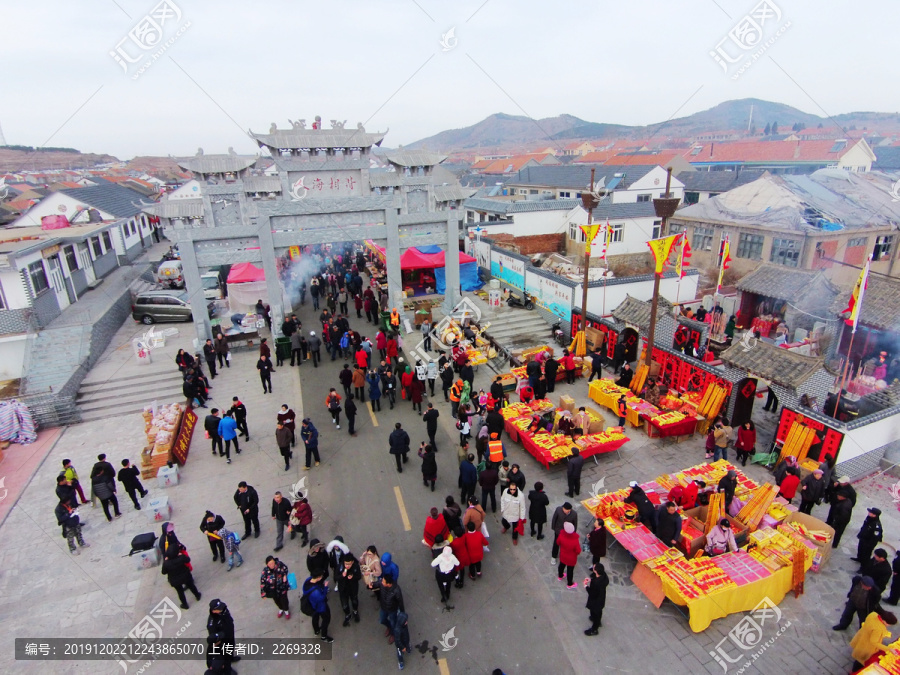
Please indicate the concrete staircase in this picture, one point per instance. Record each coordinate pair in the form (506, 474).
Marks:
(517, 328)
(99, 400)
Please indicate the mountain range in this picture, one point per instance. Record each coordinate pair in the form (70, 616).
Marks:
(512, 132)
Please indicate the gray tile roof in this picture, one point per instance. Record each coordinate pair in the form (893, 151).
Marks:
(577, 177)
(262, 184)
(887, 158)
(110, 198)
(318, 138)
(449, 193)
(206, 164)
(782, 283)
(880, 306)
(524, 206)
(415, 158)
(637, 312)
(772, 363)
(717, 181)
(177, 208)
(628, 210)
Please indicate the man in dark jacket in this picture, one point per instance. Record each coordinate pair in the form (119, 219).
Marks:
(264, 366)
(348, 576)
(488, 480)
(65, 491)
(315, 588)
(496, 390)
(129, 477)
(563, 514)
(625, 377)
(211, 424)
(727, 485)
(468, 478)
(310, 437)
(103, 485)
(618, 357)
(596, 364)
(842, 502)
(209, 353)
(350, 412)
(430, 417)
(879, 569)
(68, 520)
(210, 525)
(495, 423)
(220, 629)
(390, 599)
(315, 348)
(861, 600)
(247, 501)
(894, 596)
(573, 472)
(645, 509)
(346, 379)
(240, 416)
(668, 524)
(281, 514)
(551, 366)
(538, 501)
(533, 371)
(399, 442)
(175, 567)
(297, 348)
(596, 601)
(283, 437)
(812, 491)
(870, 535)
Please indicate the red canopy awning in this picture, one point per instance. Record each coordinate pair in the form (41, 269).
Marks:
(414, 259)
(244, 272)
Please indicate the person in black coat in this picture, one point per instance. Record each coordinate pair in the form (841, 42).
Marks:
(264, 366)
(210, 526)
(894, 596)
(211, 425)
(348, 577)
(103, 485)
(317, 558)
(618, 357)
(862, 599)
(596, 364)
(870, 535)
(430, 417)
(350, 412)
(812, 491)
(429, 465)
(220, 628)
(646, 511)
(596, 591)
(727, 485)
(495, 423)
(597, 541)
(538, 501)
(879, 569)
(551, 367)
(573, 472)
(247, 501)
(175, 567)
(496, 389)
(625, 376)
(65, 491)
(841, 511)
(399, 444)
(668, 524)
(129, 476)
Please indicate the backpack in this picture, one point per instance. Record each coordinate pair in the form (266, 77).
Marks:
(334, 403)
(305, 605)
(236, 537)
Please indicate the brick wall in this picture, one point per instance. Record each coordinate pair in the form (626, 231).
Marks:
(532, 245)
(14, 321)
(46, 308)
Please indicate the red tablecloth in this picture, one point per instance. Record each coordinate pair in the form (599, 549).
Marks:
(685, 427)
(601, 448)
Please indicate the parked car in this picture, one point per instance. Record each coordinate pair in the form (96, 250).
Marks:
(152, 306)
(171, 274)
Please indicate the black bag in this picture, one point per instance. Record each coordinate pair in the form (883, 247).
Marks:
(143, 542)
(306, 606)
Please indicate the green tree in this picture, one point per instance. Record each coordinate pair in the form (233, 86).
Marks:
(767, 130)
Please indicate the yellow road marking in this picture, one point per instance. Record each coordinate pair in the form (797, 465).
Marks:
(372, 414)
(443, 667)
(402, 507)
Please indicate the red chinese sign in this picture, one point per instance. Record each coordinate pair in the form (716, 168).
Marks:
(831, 438)
(611, 335)
(677, 373)
(183, 441)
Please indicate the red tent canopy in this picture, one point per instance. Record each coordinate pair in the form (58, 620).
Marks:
(414, 259)
(244, 272)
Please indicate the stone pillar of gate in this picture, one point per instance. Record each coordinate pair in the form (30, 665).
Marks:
(451, 263)
(194, 287)
(274, 296)
(392, 262)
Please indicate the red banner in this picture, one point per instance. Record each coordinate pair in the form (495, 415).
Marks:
(611, 335)
(183, 441)
(677, 373)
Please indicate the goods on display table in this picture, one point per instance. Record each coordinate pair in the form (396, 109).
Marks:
(886, 664)
(478, 352)
(774, 560)
(549, 448)
(161, 424)
(798, 442)
(660, 422)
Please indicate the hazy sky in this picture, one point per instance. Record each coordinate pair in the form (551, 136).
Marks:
(240, 65)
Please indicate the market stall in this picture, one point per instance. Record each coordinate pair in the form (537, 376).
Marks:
(548, 447)
(423, 270)
(162, 425)
(778, 546)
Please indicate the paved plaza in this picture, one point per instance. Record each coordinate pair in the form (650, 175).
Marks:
(518, 617)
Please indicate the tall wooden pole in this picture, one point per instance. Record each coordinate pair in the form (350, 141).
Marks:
(654, 306)
(587, 260)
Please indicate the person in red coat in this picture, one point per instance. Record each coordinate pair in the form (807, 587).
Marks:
(416, 390)
(569, 547)
(381, 344)
(790, 484)
(362, 359)
(745, 445)
(568, 362)
(458, 546)
(434, 525)
(685, 497)
(392, 353)
(474, 542)
(358, 305)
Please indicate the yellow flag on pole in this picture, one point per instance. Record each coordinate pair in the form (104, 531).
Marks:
(661, 248)
(590, 231)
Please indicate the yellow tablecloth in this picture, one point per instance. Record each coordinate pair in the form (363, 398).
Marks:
(611, 401)
(707, 608)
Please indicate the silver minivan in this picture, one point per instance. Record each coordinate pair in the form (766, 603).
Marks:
(151, 306)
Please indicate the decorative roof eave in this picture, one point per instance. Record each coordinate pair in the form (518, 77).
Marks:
(771, 363)
(176, 208)
(216, 164)
(298, 139)
(411, 158)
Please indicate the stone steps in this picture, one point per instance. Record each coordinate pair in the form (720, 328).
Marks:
(99, 400)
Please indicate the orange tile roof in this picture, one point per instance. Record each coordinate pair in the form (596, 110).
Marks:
(768, 151)
(597, 156)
